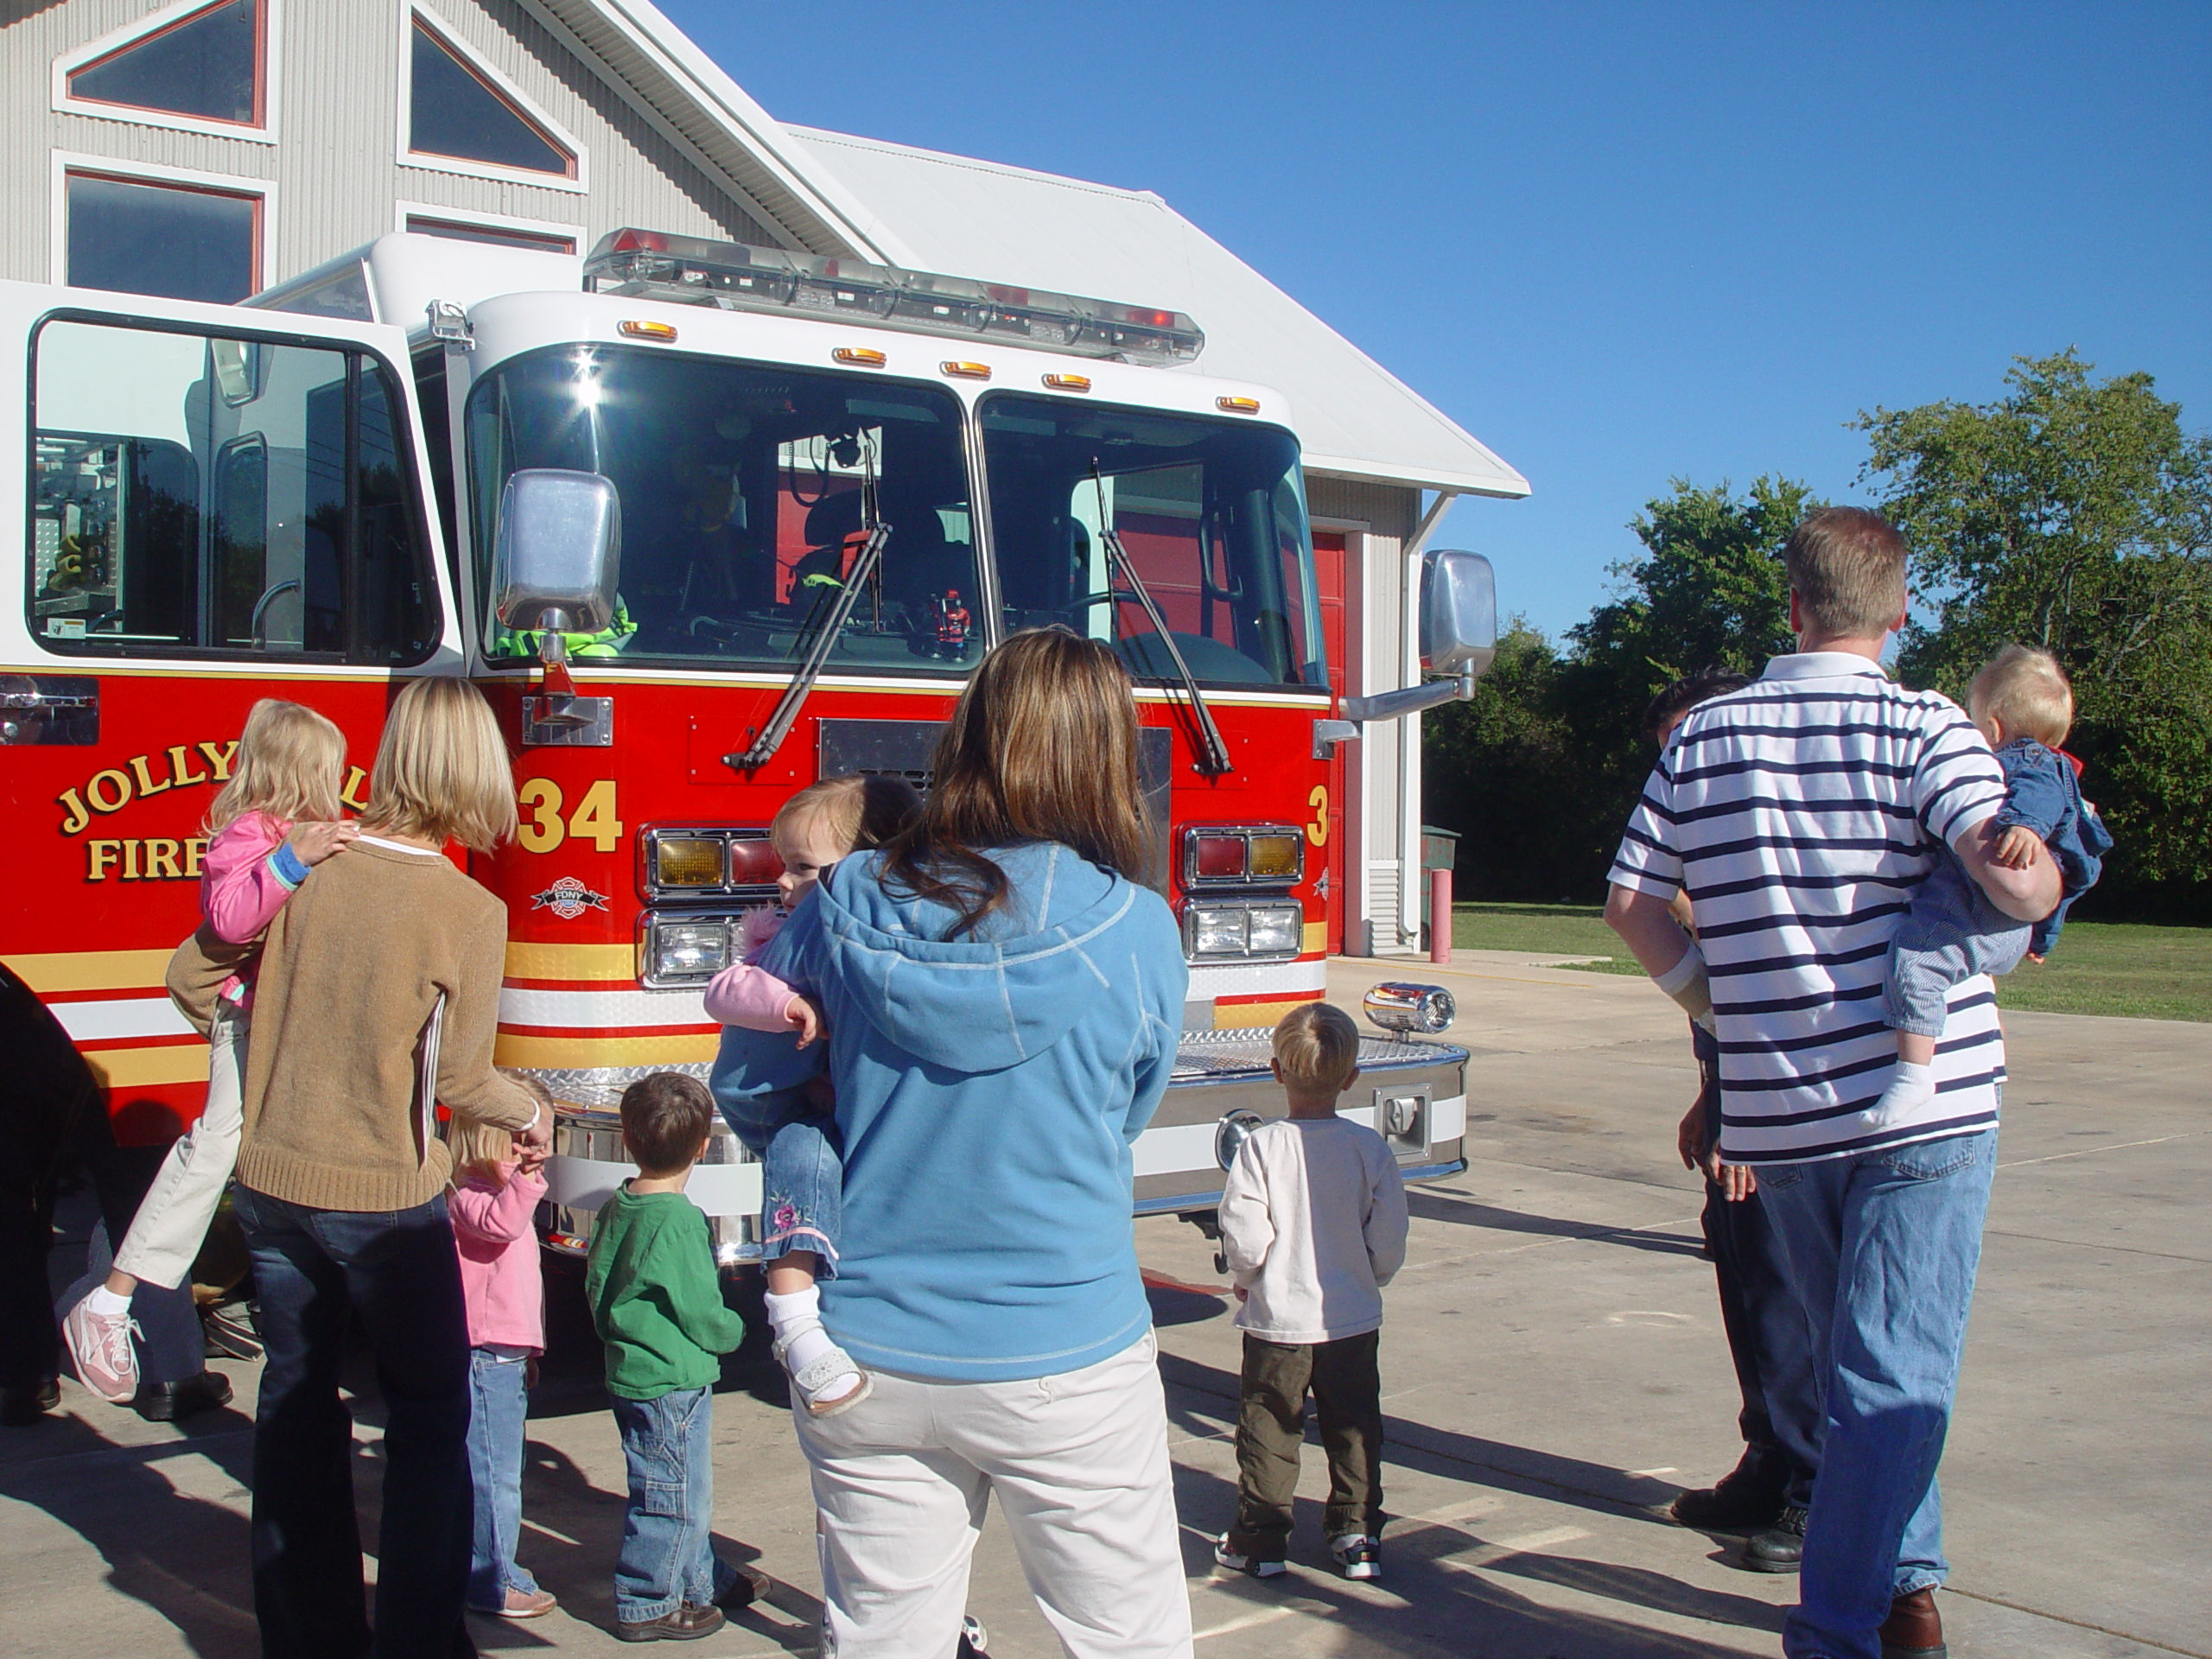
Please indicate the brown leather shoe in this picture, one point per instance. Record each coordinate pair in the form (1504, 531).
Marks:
(686, 1623)
(1914, 1629)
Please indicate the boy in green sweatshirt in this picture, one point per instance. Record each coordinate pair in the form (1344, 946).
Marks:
(658, 1305)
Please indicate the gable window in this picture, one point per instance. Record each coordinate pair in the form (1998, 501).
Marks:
(181, 239)
(459, 111)
(505, 236)
(203, 67)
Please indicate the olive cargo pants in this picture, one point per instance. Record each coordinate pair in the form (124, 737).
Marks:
(1347, 1390)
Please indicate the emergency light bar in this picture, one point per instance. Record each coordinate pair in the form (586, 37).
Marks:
(689, 271)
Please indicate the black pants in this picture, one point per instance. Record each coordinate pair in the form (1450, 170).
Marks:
(53, 1119)
(1347, 1390)
(314, 1269)
(1768, 1338)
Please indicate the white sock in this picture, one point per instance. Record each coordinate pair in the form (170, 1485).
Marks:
(796, 1319)
(105, 1303)
(1910, 1087)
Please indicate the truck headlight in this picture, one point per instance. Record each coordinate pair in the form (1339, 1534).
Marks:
(1217, 930)
(1222, 931)
(680, 950)
(1276, 930)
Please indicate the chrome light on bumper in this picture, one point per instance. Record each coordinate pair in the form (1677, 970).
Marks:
(1395, 1005)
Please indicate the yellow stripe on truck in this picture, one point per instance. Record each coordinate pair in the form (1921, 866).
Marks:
(529, 960)
(142, 1068)
(54, 971)
(579, 1053)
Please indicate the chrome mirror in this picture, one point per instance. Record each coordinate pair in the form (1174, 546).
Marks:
(1458, 612)
(558, 555)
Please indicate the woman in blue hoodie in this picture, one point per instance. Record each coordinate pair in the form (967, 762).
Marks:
(1003, 1002)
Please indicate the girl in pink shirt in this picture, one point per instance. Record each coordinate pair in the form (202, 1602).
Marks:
(274, 819)
(492, 1200)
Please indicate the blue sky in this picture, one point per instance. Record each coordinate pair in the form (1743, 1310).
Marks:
(1619, 244)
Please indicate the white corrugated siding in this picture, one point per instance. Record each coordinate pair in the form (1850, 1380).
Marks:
(334, 165)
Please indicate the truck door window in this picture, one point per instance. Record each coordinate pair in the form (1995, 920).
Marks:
(1211, 512)
(743, 492)
(213, 497)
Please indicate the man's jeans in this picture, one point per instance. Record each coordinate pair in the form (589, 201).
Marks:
(497, 1404)
(314, 1269)
(1882, 1247)
(667, 1554)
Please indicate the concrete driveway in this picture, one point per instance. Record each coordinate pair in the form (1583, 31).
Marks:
(1553, 1369)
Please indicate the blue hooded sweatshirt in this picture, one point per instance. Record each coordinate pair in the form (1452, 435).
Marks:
(989, 1091)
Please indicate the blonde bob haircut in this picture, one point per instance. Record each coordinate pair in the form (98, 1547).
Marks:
(1847, 567)
(1316, 1047)
(442, 772)
(290, 764)
(2028, 691)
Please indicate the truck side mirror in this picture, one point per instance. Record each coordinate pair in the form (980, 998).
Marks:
(558, 555)
(1458, 612)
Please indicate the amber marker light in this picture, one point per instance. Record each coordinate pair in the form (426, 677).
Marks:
(866, 357)
(963, 371)
(664, 332)
(1067, 383)
(688, 862)
(1237, 405)
(1275, 858)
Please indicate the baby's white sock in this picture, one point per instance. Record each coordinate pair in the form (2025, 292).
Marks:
(796, 1317)
(1910, 1087)
(105, 1303)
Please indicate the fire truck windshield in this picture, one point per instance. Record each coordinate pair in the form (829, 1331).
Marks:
(1211, 511)
(742, 493)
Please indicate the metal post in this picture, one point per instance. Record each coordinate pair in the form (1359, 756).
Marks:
(1439, 916)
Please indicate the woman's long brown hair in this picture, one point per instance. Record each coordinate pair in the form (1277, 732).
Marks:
(1043, 746)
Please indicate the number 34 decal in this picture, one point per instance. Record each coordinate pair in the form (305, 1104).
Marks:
(543, 829)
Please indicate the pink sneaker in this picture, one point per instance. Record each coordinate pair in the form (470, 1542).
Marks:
(99, 1344)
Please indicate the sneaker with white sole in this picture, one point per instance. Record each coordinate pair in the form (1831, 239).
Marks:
(100, 1346)
(1358, 1555)
(1258, 1567)
(975, 1640)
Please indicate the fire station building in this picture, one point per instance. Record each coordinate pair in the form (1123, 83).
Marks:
(209, 149)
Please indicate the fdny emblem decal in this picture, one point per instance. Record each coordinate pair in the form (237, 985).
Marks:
(568, 899)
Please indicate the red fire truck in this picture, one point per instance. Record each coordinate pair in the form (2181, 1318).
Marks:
(706, 523)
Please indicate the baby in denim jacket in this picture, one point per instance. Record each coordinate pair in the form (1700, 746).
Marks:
(2022, 704)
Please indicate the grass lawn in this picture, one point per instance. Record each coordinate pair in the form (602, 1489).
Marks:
(2123, 968)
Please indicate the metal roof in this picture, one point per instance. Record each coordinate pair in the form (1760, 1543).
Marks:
(1008, 224)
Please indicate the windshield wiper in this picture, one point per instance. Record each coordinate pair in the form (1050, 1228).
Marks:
(1212, 753)
(825, 640)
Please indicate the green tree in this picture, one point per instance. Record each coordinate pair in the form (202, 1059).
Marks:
(2074, 514)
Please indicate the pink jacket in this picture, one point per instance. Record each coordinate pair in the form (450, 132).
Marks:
(499, 1276)
(240, 889)
(744, 995)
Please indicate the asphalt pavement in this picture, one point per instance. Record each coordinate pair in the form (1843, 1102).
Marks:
(1553, 1372)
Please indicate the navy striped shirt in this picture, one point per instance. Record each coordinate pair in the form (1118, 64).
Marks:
(1800, 813)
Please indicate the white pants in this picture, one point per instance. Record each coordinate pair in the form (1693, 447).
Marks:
(167, 1232)
(1079, 1462)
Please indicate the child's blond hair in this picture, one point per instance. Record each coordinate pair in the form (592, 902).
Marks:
(2028, 691)
(862, 809)
(1316, 1047)
(480, 1148)
(290, 764)
(443, 772)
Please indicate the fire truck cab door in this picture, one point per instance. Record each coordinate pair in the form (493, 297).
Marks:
(220, 505)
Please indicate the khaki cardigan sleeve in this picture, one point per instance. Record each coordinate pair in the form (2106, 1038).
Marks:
(466, 1084)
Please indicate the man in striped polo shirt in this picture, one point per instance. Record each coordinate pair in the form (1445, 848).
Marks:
(1799, 814)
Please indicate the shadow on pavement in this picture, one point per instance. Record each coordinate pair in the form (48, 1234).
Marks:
(1466, 1212)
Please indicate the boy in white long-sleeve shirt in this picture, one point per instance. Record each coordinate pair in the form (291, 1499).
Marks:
(1312, 1226)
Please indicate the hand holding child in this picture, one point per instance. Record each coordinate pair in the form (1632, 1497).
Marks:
(806, 1015)
(2017, 847)
(313, 842)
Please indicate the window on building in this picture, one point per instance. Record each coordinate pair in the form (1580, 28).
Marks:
(208, 64)
(500, 235)
(144, 236)
(454, 111)
(202, 497)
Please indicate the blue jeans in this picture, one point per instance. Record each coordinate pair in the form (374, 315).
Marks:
(802, 1174)
(1882, 1247)
(668, 1552)
(313, 1269)
(498, 1403)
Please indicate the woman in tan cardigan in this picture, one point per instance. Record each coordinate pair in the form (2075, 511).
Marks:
(378, 995)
